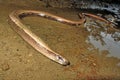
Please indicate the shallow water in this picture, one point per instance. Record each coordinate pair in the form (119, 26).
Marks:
(92, 48)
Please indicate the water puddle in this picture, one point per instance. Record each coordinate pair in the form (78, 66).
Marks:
(102, 38)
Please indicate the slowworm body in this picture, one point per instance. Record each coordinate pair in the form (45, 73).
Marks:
(34, 40)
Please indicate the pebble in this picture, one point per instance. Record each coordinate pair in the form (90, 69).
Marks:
(5, 66)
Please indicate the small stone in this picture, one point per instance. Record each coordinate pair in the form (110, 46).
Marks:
(30, 55)
(5, 66)
(94, 64)
(60, 39)
(28, 61)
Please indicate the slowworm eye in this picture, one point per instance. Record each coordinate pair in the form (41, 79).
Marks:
(58, 57)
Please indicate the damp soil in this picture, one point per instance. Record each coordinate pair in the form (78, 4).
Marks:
(92, 48)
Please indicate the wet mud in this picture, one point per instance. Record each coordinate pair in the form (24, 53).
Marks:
(92, 48)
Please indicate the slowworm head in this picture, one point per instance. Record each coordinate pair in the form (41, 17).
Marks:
(62, 60)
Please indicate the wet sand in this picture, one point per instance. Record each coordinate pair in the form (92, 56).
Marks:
(93, 53)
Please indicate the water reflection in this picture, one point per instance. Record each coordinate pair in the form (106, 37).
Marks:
(102, 37)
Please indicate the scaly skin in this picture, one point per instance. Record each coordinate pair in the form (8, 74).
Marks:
(35, 41)
(96, 17)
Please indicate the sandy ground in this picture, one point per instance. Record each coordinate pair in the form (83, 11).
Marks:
(19, 61)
